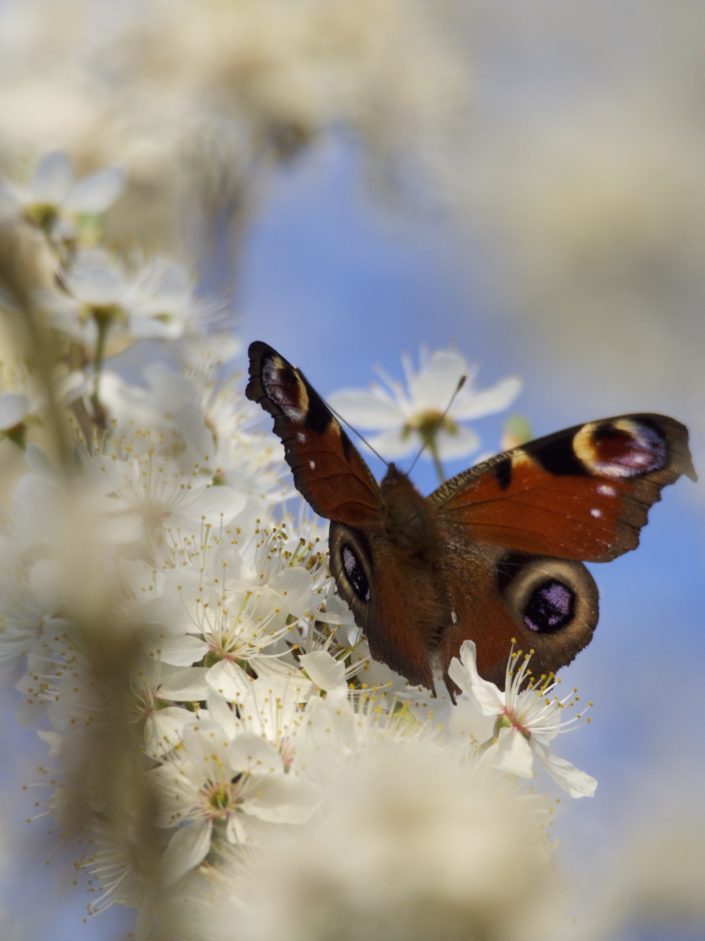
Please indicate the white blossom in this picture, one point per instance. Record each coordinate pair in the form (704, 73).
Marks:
(524, 719)
(407, 415)
(53, 194)
(413, 844)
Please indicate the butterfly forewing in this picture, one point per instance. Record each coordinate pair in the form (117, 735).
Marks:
(328, 470)
(583, 493)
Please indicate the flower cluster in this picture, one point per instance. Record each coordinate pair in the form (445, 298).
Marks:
(214, 722)
(229, 90)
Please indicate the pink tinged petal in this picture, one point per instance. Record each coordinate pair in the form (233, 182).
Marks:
(512, 753)
(368, 409)
(325, 671)
(249, 752)
(280, 799)
(464, 673)
(574, 782)
(475, 404)
(95, 193)
(51, 178)
(229, 680)
(14, 408)
(187, 848)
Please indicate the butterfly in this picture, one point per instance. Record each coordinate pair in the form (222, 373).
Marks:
(493, 555)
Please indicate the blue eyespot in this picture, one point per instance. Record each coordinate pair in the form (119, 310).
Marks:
(354, 572)
(551, 606)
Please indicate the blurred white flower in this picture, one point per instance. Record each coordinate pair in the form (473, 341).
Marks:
(138, 481)
(54, 196)
(523, 719)
(156, 300)
(14, 409)
(413, 844)
(410, 416)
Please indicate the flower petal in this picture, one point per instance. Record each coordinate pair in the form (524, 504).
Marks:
(14, 408)
(325, 671)
(249, 752)
(512, 753)
(369, 409)
(433, 386)
(575, 782)
(280, 798)
(229, 680)
(475, 404)
(464, 673)
(52, 177)
(164, 730)
(97, 192)
(458, 443)
(186, 849)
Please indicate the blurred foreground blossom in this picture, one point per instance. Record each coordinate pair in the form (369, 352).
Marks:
(411, 416)
(229, 91)
(413, 844)
(54, 196)
(155, 300)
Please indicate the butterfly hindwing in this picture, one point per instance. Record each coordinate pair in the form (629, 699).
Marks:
(328, 470)
(394, 596)
(545, 605)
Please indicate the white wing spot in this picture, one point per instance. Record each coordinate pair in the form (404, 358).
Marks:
(607, 490)
(453, 616)
(301, 437)
(596, 513)
(312, 465)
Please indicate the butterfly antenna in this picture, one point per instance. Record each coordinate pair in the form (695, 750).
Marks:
(437, 424)
(359, 434)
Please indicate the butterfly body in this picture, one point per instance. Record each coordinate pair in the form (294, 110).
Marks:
(493, 554)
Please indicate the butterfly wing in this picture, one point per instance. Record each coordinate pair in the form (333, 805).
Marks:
(583, 493)
(392, 593)
(394, 596)
(525, 518)
(545, 605)
(328, 470)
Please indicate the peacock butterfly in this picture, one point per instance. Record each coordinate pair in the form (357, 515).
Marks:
(494, 553)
